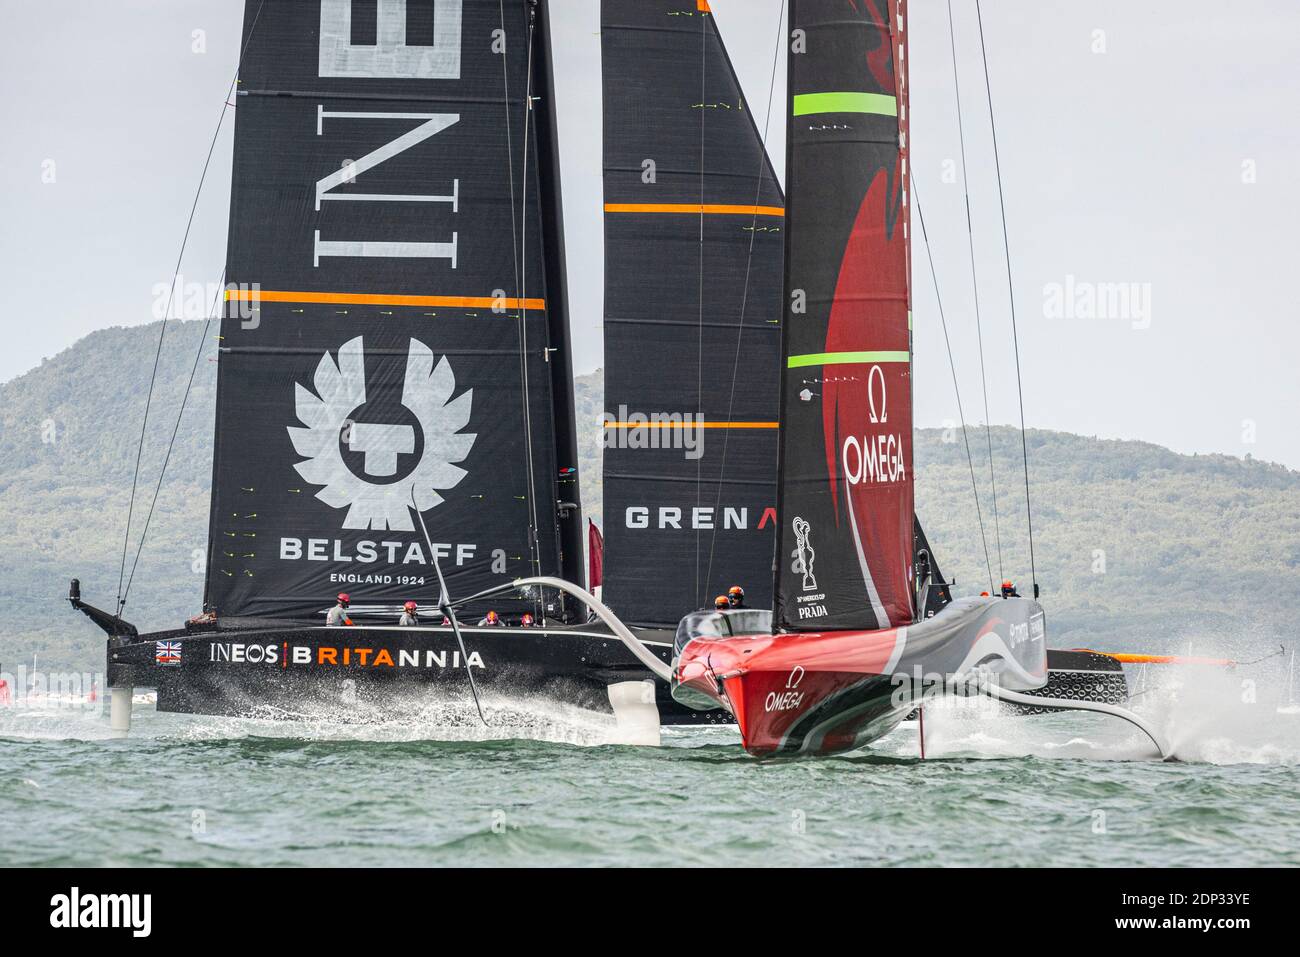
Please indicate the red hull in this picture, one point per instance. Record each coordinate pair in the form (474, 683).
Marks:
(771, 683)
(824, 693)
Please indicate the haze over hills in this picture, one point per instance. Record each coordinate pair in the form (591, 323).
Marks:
(1135, 546)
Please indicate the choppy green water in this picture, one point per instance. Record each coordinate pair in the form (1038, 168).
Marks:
(354, 790)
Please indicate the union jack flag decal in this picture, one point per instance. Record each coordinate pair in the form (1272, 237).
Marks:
(167, 652)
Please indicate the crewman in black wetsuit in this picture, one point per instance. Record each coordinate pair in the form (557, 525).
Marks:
(736, 596)
(1009, 589)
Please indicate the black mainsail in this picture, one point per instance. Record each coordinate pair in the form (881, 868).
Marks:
(694, 224)
(385, 347)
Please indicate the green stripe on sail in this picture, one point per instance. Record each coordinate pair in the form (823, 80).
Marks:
(806, 104)
(846, 359)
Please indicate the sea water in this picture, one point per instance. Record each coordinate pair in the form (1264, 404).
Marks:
(428, 784)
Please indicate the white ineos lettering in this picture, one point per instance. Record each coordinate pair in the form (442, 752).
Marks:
(373, 250)
(434, 123)
(390, 57)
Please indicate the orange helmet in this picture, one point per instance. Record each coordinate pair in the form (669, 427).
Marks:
(736, 594)
(721, 602)
(492, 616)
(410, 606)
(527, 620)
(1008, 584)
(344, 598)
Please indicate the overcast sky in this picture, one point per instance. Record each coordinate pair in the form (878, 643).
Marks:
(1147, 146)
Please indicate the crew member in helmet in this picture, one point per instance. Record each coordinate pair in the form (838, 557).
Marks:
(721, 603)
(491, 620)
(1009, 589)
(338, 615)
(528, 621)
(736, 596)
(410, 615)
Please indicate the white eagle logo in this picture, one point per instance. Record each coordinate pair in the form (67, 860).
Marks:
(340, 391)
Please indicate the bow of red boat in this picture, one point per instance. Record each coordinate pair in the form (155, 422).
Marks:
(823, 693)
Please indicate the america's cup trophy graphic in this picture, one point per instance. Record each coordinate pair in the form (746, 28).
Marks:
(804, 555)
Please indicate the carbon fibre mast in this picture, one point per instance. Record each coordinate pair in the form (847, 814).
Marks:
(568, 491)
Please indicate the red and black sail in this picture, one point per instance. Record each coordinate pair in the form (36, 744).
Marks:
(845, 549)
(694, 229)
(385, 347)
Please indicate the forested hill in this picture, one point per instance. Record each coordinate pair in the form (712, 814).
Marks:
(1135, 546)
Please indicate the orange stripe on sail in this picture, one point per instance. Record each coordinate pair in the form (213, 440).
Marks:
(363, 299)
(717, 209)
(702, 6)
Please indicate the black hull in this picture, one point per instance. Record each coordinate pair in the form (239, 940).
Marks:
(286, 672)
(261, 671)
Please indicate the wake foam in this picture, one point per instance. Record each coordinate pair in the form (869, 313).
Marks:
(1208, 714)
(410, 719)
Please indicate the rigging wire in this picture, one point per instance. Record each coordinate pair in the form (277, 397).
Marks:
(749, 262)
(189, 385)
(162, 329)
(975, 289)
(970, 460)
(1011, 295)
